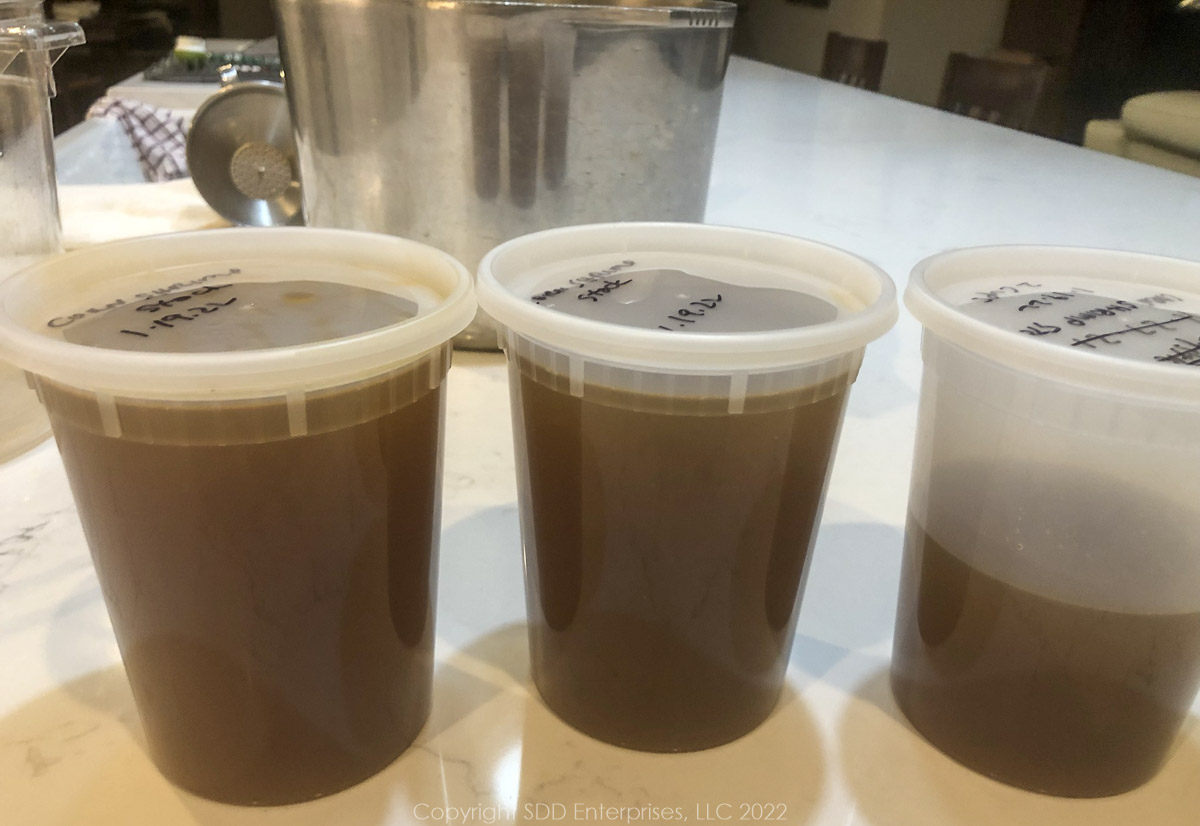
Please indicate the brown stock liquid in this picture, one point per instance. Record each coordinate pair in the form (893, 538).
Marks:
(273, 599)
(666, 551)
(1051, 696)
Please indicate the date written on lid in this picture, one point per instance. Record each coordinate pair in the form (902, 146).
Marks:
(678, 301)
(1141, 325)
(248, 315)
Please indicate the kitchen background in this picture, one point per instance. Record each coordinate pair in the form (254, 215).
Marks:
(1100, 52)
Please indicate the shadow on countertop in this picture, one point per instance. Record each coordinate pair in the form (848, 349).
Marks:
(898, 779)
(562, 772)
(76, 755)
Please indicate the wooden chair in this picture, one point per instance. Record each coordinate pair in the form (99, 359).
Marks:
(1005, 92)
(854, 61)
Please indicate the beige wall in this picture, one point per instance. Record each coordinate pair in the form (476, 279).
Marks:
(793, 35)
(920, 35)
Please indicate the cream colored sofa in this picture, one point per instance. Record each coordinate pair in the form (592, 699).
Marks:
(1161, 128)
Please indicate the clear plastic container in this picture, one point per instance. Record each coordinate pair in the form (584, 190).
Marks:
(251, 425)
(677, 395)
(29, 225)
(1048, 632)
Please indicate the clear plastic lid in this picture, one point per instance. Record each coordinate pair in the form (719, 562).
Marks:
(232, 314)
(19, 35)
(1120, 322)
(686, 298)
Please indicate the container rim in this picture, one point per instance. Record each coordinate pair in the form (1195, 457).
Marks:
(36, 35)
(868, 292)
(28, 297)
(924, 299)
(722, 10)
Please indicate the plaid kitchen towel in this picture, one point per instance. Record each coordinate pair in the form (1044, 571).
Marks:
(158, 135)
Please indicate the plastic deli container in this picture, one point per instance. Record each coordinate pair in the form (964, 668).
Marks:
(1048, 632)
(250, 422)
(677, 393)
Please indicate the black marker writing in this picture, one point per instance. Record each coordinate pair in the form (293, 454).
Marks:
(1184, 351)
(599, 275)
(988, 296)
(540, 297)
(1145, 328)
(191, 313)
(201, 282)
(596, 293)
(1039, 329)
(1161, 298)
(164, 303)
(694, 310)
(591, 278)
(1034, 304)
(1083, 317)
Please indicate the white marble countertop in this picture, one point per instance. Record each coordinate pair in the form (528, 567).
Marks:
(887, 179)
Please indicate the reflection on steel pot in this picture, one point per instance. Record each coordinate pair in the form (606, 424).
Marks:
(463, 123)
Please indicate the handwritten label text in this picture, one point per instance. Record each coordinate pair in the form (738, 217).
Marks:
(202, 282)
